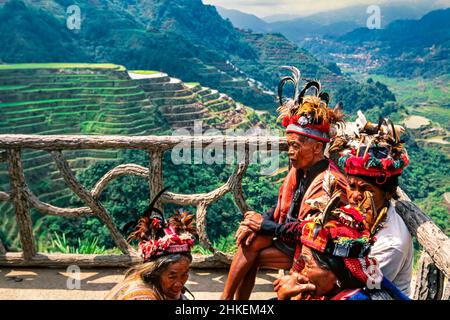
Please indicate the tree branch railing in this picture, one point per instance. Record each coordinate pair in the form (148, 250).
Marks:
(23, 198)
(434, 263)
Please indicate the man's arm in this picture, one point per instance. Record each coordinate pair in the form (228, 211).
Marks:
(290, 232)
(263, 224)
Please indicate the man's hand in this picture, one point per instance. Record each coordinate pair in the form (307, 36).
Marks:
(249, 214)
(253, 220)
(292, 285)
(244, 233)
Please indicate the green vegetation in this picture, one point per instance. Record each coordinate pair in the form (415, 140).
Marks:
(407, 48)
(186, 39)
(415, 91)
(144, 71)
(224, 244)
(84, 106)
(61, 66)
(365, 96)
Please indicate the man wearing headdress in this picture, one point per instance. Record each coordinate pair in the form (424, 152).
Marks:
(307, 119)
(373, 157)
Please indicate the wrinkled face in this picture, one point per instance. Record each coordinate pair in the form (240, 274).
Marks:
(303, 152)
(356, 188)
(323, 279)
(172, 279)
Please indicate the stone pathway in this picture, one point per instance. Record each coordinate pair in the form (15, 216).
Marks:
(52, 284)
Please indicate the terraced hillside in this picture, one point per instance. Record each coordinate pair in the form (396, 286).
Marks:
(186, 39)
(274, 50)
(97, 99)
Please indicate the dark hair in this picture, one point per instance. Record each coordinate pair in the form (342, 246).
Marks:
(337, 266)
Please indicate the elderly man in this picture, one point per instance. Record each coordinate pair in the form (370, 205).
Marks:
(307, 119)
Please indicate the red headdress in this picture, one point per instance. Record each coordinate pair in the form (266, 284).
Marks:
(367, 149)
(342, 232)
(158, 237)
(306, 115)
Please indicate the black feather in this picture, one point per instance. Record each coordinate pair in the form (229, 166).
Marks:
(151, 208)
(128, 226)
(324, 97)
(281, 86)
(310, 84)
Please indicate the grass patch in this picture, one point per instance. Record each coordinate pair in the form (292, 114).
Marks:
(144, 71)
(20, 66)
(12, 87)
(24, 103)
(412, 92)
(436, 114)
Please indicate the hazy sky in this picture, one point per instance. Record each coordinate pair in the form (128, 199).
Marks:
(264, 8)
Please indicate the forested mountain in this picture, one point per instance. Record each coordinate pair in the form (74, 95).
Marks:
(405, 48)
(184, 38)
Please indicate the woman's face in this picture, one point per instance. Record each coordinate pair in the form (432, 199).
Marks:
(356, 188)
(174, 277)
(323, 279)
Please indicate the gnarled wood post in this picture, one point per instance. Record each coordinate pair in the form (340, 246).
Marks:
(155, 178)
(429, 280)
(21, 205)
(431, 238)
(155, 146)
(95, 205)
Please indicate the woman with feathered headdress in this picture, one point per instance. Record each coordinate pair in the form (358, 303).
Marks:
(333, 261)
(165, 247)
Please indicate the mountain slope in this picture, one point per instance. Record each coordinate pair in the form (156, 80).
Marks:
(330, 23)
(405, 48)
(183, 38)
(243, 20)
(34, 35)
(408, 47)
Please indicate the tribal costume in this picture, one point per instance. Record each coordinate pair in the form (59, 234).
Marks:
(308, 116)
(339, 238)
(375, 153)
(158, 239)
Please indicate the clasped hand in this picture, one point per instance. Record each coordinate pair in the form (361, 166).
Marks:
(249, 227)
(292, 285)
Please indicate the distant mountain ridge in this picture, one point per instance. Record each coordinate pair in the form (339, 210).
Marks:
(408, 47)
(334, 22)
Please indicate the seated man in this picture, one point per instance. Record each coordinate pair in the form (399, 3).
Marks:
(373, 157)
(307, 120)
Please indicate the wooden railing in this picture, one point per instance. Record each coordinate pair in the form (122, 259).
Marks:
(23, 199)
(434, 265)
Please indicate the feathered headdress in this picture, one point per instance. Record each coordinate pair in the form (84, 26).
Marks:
(368, 149)
(343, 232)
(307, 115)
(158, 236)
